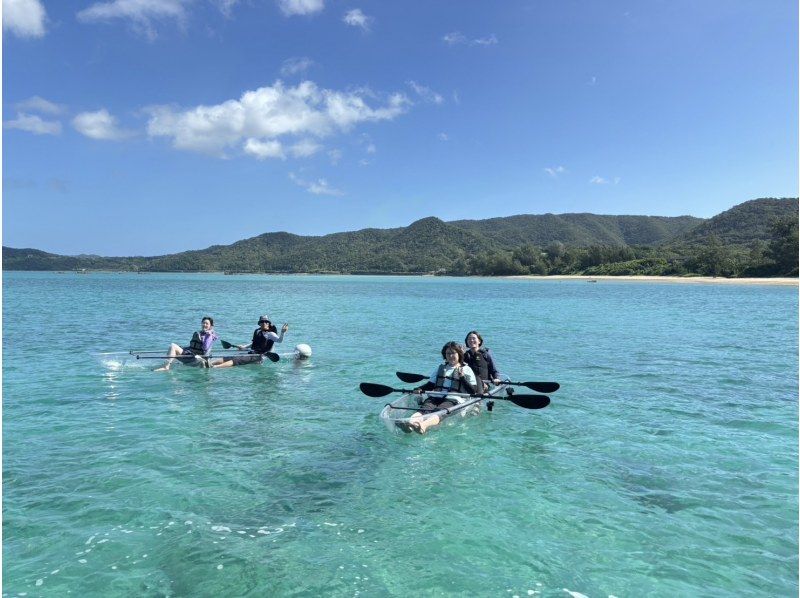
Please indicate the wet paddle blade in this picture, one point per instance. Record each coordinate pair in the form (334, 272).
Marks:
(375, 390)
(411, 378)
(273, 357)
(528, 401)
(227, 345)
(546, 387)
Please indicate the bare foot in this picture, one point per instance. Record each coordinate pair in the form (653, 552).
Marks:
(416, 427)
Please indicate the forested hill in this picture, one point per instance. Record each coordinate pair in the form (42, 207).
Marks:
(579, 230)
(742, 225)
(746, 238)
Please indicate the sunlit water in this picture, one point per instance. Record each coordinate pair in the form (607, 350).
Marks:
(666, 465)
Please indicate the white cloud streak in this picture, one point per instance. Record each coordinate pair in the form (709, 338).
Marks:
(305, 148)
(598, 180)
(292, 66)
(318, 187)
(426, 93)
(140, 13)
(356, 18)
(99, 125)
(266, 114)
(455, 38)
(24, 18)
(300, 7)
(33, 124)
(555, 171)
(40, 105)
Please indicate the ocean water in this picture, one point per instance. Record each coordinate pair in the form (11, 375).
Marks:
(667, 464)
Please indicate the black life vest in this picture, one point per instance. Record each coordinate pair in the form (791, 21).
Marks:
(459, 385)
(261, 344)
(478, 362)
(196, 344)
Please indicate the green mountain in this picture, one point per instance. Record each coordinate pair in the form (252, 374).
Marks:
(515, 244)
(579, 230)
(742, 225)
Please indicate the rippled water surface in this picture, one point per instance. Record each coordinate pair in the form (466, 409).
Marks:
(666, 465)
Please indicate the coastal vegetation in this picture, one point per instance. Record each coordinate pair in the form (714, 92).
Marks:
(757, 238)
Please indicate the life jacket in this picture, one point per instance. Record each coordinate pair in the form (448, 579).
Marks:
(196, 344)
(261, 344)
(478, 362)
(459, 385)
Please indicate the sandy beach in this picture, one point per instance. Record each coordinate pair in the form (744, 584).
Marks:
(669, 279)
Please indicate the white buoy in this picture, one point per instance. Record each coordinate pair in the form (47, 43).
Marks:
(302, 351)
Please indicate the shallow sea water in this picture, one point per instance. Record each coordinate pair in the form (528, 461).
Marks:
(665, 466)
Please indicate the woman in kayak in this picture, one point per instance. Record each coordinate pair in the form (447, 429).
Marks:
(199, 347)
(480, 360)
(453, 375)
(264, 337)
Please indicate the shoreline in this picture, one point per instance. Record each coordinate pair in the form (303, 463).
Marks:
(784, 282)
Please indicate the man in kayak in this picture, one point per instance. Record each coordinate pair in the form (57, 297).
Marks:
(264, 337)
(480, 360)
(199, 347)
(454, 376)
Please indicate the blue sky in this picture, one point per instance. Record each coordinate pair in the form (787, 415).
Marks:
(143, 127)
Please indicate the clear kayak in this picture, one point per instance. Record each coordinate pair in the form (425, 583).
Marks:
(401, 409)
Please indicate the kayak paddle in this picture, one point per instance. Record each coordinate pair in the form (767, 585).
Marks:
(273, 357)
(525, 401)
(379, 390)
(537, 386)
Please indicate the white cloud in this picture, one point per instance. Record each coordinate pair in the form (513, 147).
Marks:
(592, 81)
(292, 66)
(268, 113)
(555, 171)
(300, 7)
(598, 180)
(33, 124)
(37, 104)
(99, 125)
(264, 149)
(443, 137)
(335, 155)
(24, 18)
(485, 41)
(318, 187)
(305, 148)
(356, 18)
(456, 37)
(140, 13)
(426, 93)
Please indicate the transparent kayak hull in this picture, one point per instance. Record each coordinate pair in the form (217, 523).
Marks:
(403, 408)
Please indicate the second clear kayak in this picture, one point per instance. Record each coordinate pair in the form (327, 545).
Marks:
(400, 410)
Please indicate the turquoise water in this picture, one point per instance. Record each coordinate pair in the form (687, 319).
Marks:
(665, 466)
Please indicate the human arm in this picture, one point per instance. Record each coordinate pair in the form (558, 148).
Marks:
(208, 339)
(494, 375)
(278, 339)
(430, 384)
(466, 374)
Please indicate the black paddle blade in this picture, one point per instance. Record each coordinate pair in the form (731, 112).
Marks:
(528, 401)
(411, 378)
(547, 387)
(375, 390)
(227, 345)
(273, 357)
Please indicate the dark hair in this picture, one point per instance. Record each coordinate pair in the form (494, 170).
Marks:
(272, 327)
(476, 333)
(209, 318)
(456, 347)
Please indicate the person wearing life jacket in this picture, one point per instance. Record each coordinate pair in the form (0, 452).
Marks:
(452, 376)
(264, 337)
(198, 350)
(480, 360)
